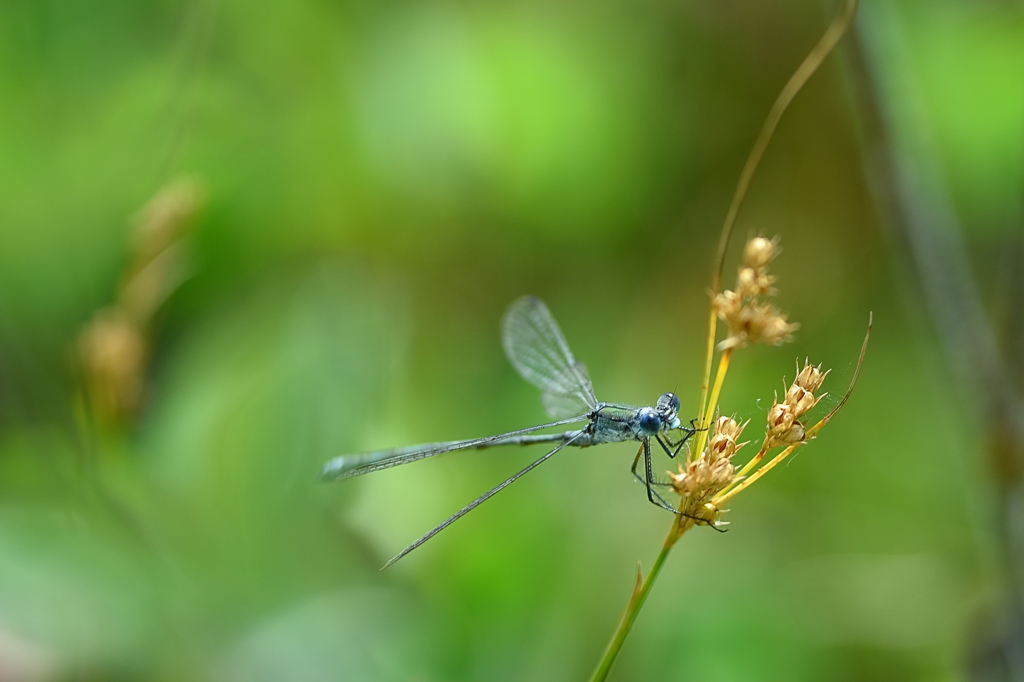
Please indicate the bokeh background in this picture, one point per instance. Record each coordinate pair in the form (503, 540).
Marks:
(238, 239)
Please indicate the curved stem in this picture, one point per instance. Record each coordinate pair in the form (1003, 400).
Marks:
(636, 602)
(806, 69)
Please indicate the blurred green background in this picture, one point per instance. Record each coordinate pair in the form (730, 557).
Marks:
(368, 186)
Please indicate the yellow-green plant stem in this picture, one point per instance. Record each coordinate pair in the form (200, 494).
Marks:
(740, 475)
(710, 353)
(636, 602)
(725, 497)
(723, 368)
(754, 460)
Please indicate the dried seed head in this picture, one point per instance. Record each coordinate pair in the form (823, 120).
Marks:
(780, 420)
(783, 424)
(728, 305)
(728, 427)
(712, 470)
(774, 329)
(113, 347)
(751, 282)
(757, 323)
(112, 351)
(800, 399)
(810, 377)
(796, 434)
(751, 318)
(700, 478)
(723, 444)
(759, 252)
(165, 217)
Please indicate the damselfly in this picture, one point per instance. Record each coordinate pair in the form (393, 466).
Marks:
(538, 350)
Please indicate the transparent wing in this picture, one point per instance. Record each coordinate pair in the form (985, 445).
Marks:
(558, 405)
(535, 346)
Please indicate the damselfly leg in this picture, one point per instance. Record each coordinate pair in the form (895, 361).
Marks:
(676, 447)
(650, 481)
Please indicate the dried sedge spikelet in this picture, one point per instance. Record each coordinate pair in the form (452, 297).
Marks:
(753, 282)
(752, 320)
(773, 327)
(760, 252)
(784, 426)
(166, 216)
(752, 323)
(728, 306)
(113, 347)
(159, 240)
(700, 478)
(712, 470)
(753, 279)
(113, 353)
(723, 444)
(810, 378)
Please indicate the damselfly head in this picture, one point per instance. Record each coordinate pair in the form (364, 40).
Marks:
(648, 421)
(667, 407)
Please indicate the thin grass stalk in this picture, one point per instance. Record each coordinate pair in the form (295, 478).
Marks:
(636, 602)
(710, 354)
(707, 417)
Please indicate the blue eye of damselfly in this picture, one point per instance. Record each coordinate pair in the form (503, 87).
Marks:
(649, 421)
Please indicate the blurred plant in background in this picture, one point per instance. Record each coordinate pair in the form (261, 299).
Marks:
(115, 346)
(378, 182)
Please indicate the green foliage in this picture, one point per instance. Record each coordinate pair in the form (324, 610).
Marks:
(380, 182)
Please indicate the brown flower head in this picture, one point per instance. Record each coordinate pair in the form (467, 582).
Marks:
(784, 426)
(810, 378)
(760, 252)
(723, 444)
(112, 351)
(711, 471)
(755, 323)
(752, 319)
